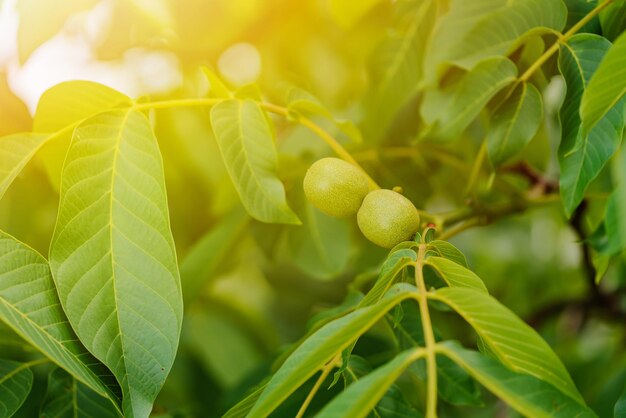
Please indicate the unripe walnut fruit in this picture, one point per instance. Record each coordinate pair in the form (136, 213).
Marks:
(387, 218)
(335, 187)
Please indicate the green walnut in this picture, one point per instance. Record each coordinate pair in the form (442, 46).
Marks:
(335, 187)
(387, 218)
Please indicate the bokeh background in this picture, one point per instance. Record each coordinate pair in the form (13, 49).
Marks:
(250, 288)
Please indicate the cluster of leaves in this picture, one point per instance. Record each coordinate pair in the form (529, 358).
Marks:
(106, 306)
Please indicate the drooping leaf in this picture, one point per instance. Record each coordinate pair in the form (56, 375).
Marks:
(515, 343)
(112, 254)
(321, 347)
(581, 157)
(14, 116)
(529, 396)
(450, 110)
(205, 255)
(68, 398)
(247, 146)
(63, 106)
(474, 31)
(363, 395)
(514, 123)
(321, 247)
(396, 262)
(606, 87)
(613, 20)
(614, 222)
(29, 304)
(396, 68)
(449, 251)
(456, 275)
(15, 152)
(16, 381)
(41, 20)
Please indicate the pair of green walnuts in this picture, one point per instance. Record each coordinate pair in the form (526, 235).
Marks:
(340, 189)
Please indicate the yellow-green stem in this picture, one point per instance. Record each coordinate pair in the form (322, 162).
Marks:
(325, 372)
(555, 47)
(429, 336)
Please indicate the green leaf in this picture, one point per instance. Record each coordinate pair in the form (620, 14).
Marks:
(455, 275)
(68, 398)
(514, 123)
(515, 343)
(204, 257)
(15, 152)
(243, 407)
(582, 157)
(527, 395)
(395, 68)
(576, 10)
(63, 106)
(479, 29)
(613, 20)
(451, 110)
(449, 251)
(41, 20)
(396, 262)
(321, 347)
(16, 380)
(606, 87)
(363, 395)
(246, 142)
(29, 304)
(321, 247)
(112, 254)
(614, 221)
(72, 101)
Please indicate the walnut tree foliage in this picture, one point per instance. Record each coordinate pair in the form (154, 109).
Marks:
(159, 257)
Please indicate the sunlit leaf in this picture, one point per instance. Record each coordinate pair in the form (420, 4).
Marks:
(452, 109)
(68, 398)
(16, 381)
(455, 275)
(606, 87)
(529, 396)
(112, 255)
(15, 152)
(514, 123)
(217, 87)
(582, 157)
(515, 343)
(479, 29)
(363, 395)
(41, 20)
(321, 347)
(62, 106)
(29, 304)
(246, 143)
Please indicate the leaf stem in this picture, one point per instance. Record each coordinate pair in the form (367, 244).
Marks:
(325, 372)
(563, 38)
(325, 136)
(429, 336)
